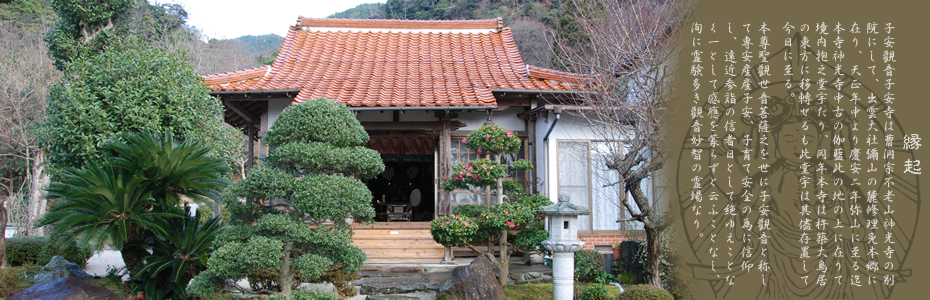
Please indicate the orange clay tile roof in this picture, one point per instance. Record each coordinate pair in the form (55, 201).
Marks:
(229, 77)
(403, 24)
(556, 75)
(390, 68)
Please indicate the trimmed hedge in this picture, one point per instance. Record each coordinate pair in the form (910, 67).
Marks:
(645, 291)
(40, 250)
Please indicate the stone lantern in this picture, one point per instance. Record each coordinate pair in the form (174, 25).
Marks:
(563, 242)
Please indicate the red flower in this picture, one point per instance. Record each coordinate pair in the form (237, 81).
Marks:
(465, 140)
(479, 150)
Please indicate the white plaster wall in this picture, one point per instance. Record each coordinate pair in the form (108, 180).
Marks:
(506, 118)
(574, 128)
(567, 128)
(275, 107)
(418, 116)
(375, 116)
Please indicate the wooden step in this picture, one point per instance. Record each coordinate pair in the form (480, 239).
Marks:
(386, 242)
(392, 225)
(397, 243)
(400, 234)
(403, 260)
(408, 252)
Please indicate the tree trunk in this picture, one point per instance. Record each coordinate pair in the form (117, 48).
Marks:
(447, 255)
(500, 191)
(134, 257)
(3, 220)
(37, 201)
(504, 264)
(284, 274)
(652, 250)
(500, 185)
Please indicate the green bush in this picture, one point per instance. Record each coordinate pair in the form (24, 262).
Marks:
(22, 250)
(594, 292)
(587, 265)
(40, 250)
(127, 88)
(645, 291)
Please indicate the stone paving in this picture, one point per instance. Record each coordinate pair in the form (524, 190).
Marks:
(431, 274)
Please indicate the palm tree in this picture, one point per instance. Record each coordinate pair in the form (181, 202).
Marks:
(178, 256)
(129, 197)
(100, 204)
(175, 168)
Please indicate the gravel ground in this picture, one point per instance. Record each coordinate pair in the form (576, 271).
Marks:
(97, 265)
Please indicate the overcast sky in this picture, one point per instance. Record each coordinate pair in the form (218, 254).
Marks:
(234, 18)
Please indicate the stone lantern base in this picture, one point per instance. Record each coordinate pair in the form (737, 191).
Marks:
(563, 267)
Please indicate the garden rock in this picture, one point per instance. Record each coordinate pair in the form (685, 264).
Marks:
(67, 288)
(413, 296)
(533, 275)
(473, 282)
(60, 267)
(392, 285)
(319, 287)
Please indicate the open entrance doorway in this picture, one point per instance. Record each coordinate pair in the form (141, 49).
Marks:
(405, 191)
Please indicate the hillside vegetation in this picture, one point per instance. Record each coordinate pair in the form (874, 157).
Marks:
(535, 23)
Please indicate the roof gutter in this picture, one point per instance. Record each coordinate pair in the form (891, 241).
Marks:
(246, 94)
(549, 107)
(411, 108)
(254, 92)
(541, 91)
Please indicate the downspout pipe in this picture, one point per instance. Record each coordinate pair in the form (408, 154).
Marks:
(558, 112)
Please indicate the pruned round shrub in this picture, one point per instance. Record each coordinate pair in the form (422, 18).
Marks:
(453, 230)
(645, 291)
(328, 159)
(333, 197)
(319, 120)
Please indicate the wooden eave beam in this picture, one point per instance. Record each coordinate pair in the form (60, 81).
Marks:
(241, 111)
(411, 126)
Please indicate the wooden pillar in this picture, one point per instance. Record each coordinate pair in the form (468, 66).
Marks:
(251, 158)
(445, 169)
(531, 153)
(445, 166)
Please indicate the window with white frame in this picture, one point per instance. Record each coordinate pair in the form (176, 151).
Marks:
(584, 176)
